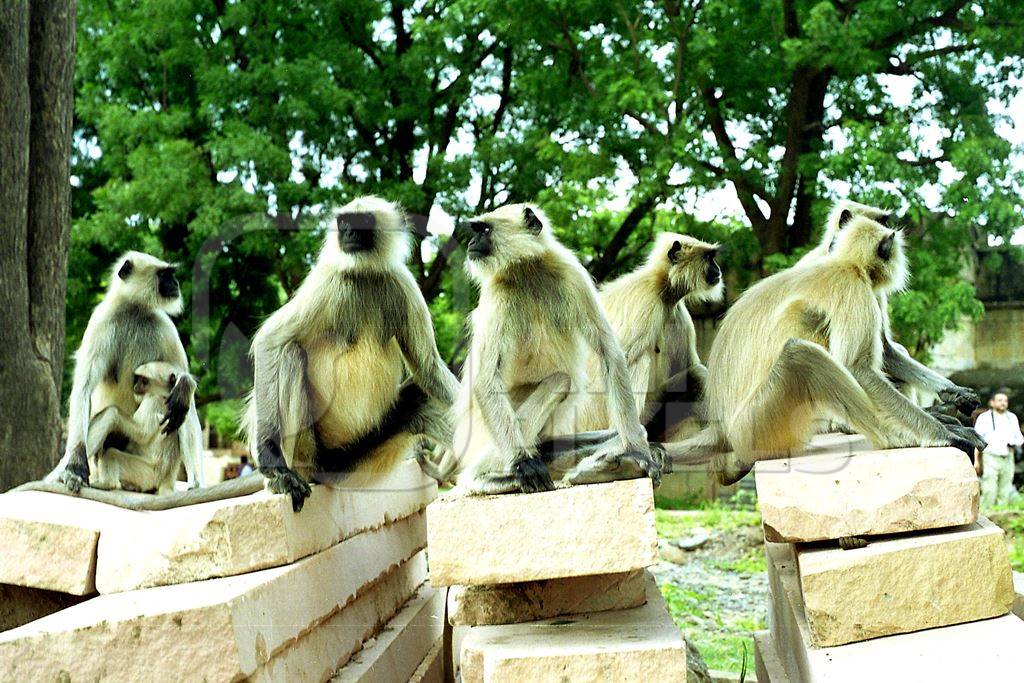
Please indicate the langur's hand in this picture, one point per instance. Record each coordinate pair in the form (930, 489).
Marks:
(287, 480)
(532, 474)
(969, 435)
(178, 403)
(963, 399)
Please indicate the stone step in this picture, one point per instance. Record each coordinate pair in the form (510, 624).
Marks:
(905, 583)
(219, 629)
(574, 531)
(49, 540)
(639, 644)
(397, 651)
(535, 600)
(987, 650)
(253, 532)
(767, 663)
(825, 497)
(330, 645)
(431, 669)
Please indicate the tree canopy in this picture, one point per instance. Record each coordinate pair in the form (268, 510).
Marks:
(211, 131)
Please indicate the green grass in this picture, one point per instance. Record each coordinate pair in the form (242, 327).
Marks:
(725, 648)
(750, 563)
(672, 523)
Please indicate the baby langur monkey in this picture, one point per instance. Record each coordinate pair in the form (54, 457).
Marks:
(898, 364)
(807, 343)
(145, 464)
(537, 317)
(347, 373)
(647, 311)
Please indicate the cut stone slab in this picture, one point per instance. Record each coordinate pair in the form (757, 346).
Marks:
(575, 531)
(535, 600)
(20, 605)
(639, 644)
(1018, 598)
(431, 669)
(825, 497)
(397, 651)
(330, 645)
(767, 663)
(220, 629)
(241, 535)
(49, 540)
(988, 650)
(905, 583)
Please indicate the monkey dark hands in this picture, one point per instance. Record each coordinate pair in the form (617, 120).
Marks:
(76, 474)
(660, 456)
(940, 414)
(959, 442)
(965, 400)
(532, 475)
(178, 403)
(287, 480)
(969, 435)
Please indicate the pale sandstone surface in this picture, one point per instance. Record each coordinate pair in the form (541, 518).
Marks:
(536, 600)
(397, 651)
(767, 663)
(876, 492)
(20, 605)
(219, 629)
(988, 650)
(49, 540)
(574, 531)
(905, 583)
(431, 669)
(641, 644)
(258, 531)
(330, 644)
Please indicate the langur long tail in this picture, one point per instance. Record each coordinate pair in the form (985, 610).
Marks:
(707, 448)
(147, 502)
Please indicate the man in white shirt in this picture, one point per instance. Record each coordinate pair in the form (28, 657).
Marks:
(1001, 431)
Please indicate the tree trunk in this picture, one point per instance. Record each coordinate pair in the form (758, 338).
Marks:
(36, 103)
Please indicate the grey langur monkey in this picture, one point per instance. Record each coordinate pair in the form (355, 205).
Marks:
(647, 310)
(537, 319)
(347, 373)
(131, 327)
(806, 343)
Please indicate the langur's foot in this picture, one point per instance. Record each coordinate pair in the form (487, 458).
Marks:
(660, 456)
(852, 542)
(600, 468)
(962, 444)
(727, 468)
(287, 480)
(532, 475)
(74, 482)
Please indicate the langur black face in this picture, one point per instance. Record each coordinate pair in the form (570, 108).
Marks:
(357, 232)
(166, 284)
(712, 272)
(476, 236)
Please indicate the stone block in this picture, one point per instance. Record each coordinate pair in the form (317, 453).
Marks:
(431, 669)
(215, 630)
(513, 603)
(877, 492)
(639, 644)
(574, 531)
(397, 651)
(767, 664)
(987, 650)
(49, 540)
(241, 535)
(329, 645)
(899, 584)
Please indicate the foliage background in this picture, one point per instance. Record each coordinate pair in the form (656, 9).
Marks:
(211, 131)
